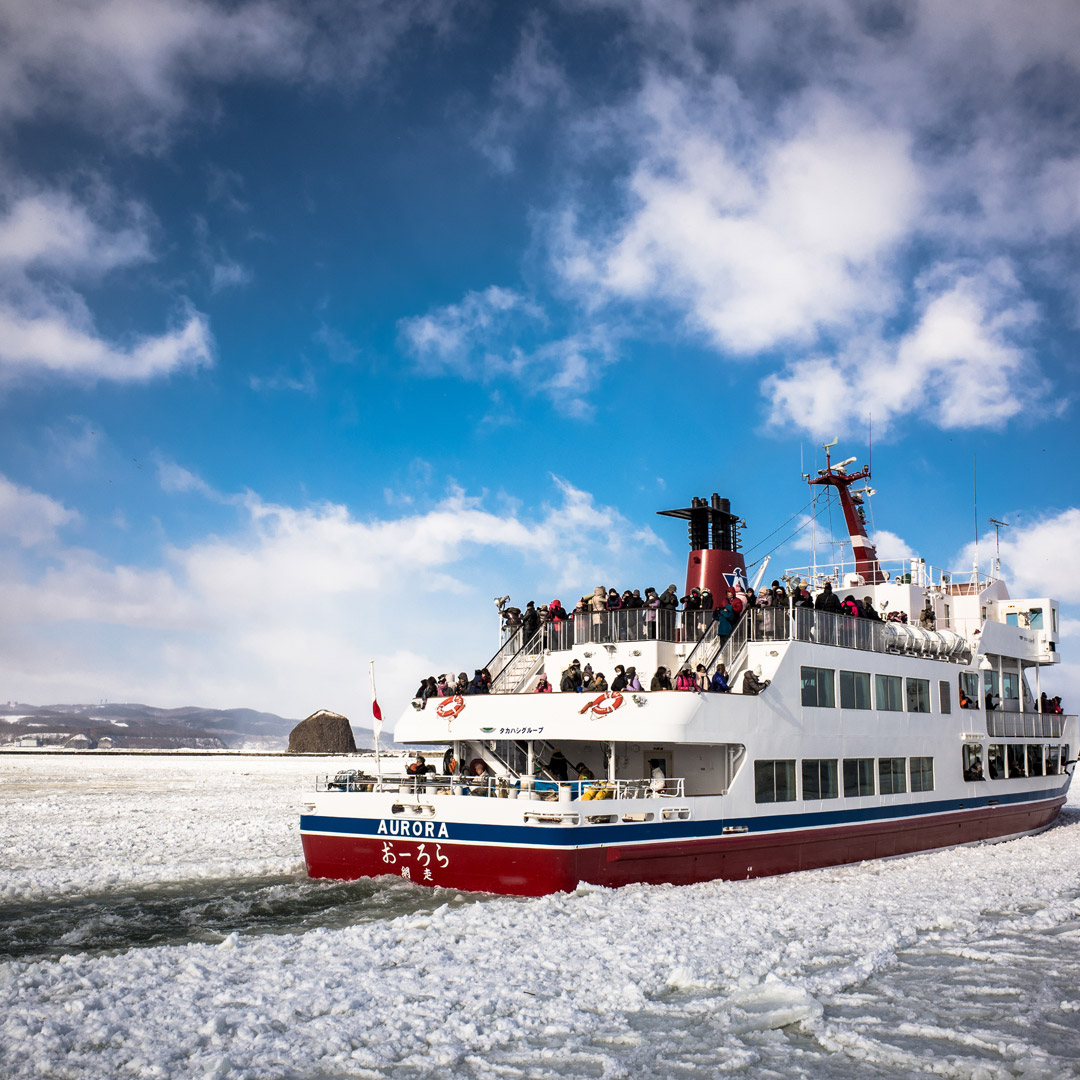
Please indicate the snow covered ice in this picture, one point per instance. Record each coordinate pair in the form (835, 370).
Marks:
(157, 922)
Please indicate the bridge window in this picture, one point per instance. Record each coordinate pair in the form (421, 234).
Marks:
(892, 775)
(1014, 757)
(1010, 685)
(819, 779)
(818, 687)
(945, 696)
(918, 695)
(1035, 759)
(995, 761)
(1035, 619)
(774, 781)
(858, 776)
(969, 690)
(854, 690)
(888, 690)
(922, 774)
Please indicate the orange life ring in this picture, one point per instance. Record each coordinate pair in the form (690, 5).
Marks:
(603, 705)
(451, 708)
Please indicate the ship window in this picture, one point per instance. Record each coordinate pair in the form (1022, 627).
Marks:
(1034, 759)
(1012, 619)
(969, 690)
(990, 683)
(918, 695)
(887, 690)
(1010, 685)
(854, 690)
(1052, 760)
(995, 761)
(858, 776)
(774, 781)
(922, 774)
(819, 779)
(972, 754)
(1015, 759)
(817, 687)
(945, 696)
(892, 775)
(1035, 618)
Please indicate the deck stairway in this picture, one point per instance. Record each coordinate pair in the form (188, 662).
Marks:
(515, 674)
(712, 650)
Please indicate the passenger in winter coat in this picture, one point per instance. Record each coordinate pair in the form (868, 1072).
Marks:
(684, 680)
(599, 683)
(614, 600)
(587, 679)
(827, 600)
(701, 677)
(633, 684)
(571, 678)
(719, 683)
(462, 684)
(558, 766)
(669, 598)
(725, 620)
(442, 686)
(869, 611)
(556, 612)
(477, 685)
(542, 685)
(751, 682)
(849, 607)
(927, 618)
(802, 595)
(737, 600)
(692, 600)
(530, 621)
(661, 680)
(619, 682)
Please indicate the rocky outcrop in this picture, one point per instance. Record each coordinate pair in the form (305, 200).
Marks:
(323, 732)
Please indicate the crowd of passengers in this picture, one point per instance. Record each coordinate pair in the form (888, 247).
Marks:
(704, 609)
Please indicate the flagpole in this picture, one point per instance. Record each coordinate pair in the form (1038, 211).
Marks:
(376, 727)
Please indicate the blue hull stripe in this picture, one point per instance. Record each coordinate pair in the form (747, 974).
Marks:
(592, 835)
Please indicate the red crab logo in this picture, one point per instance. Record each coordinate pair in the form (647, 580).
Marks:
(603, 705)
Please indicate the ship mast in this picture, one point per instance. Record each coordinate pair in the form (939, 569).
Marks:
(837, 476)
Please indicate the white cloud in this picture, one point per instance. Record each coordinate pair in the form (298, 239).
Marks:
(761, 249)
(48, 238)
(1039, 557)
(282, 610)
(449, 337)
(533, 81)
(131, 66)
(51, 229)
(29, 517)
(65, 343)
(891, 547)
(963, 364)
(481, 338)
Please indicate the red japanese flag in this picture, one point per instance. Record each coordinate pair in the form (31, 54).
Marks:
(375, 710)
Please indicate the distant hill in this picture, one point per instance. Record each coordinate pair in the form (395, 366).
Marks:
(135, 726)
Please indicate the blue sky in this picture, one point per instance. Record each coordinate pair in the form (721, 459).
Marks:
(322, 324)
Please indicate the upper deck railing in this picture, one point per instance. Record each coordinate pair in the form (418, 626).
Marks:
(898, 572)
(758, 624)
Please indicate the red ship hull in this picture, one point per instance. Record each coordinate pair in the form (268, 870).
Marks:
(539, 870)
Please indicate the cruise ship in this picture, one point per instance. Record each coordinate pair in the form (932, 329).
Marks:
(870, 736)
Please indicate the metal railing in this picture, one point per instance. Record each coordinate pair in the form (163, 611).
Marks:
(509, 787)
(517, 665)
(898, 571)
(610, 627)
(1030, 725)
